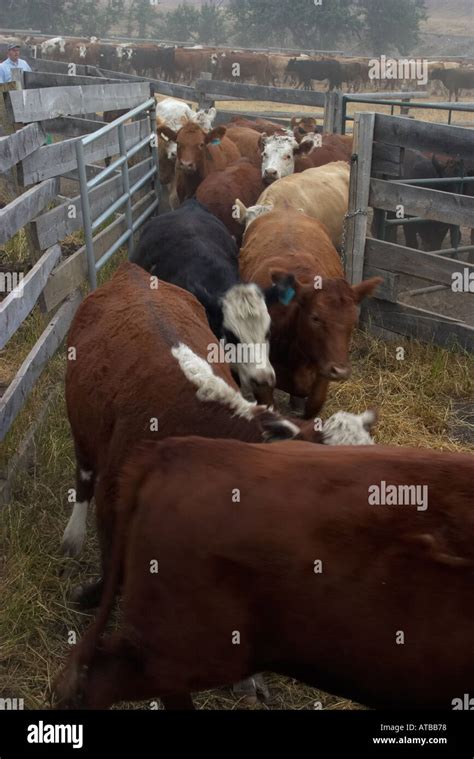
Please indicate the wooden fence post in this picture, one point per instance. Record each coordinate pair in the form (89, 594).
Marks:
(203, 101)
(356, 219)
(334, 113)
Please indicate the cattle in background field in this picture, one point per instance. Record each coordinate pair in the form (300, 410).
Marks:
(321, 193)
(241, 66)
(282, 155)
(165, 63)
(54, 49)
(307, 70)
(309, 570)
(313, 309)
(219, 191)
(455, 80)
(191, 248)
(199, 153)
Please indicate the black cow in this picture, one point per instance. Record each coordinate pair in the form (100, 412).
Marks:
(455, 80)
(306, 70)
(421, 165)
(191, 248)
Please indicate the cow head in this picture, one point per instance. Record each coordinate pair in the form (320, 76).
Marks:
(192, 141)
(246, 327)
(325, 316)
(304, 126)
(343, 428)
(277, 156)
(205, 118)
(247, 215)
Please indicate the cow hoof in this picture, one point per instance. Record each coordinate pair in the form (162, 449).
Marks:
(87, 596)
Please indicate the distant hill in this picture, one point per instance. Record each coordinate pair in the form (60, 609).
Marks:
(450, 17)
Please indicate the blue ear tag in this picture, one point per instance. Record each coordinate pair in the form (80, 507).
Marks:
(215, 141)
(287, 296)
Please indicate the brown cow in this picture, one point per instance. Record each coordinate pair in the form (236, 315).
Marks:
(314, 310)
(304, 127)
(241, 66)
(199, 153)
(248, 143)
(218, 192)
(145, 390)
(313, 574)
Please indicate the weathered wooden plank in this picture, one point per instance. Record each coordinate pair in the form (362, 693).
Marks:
(17, 305)
(418, 323)
(35, 79)
(356, 221)
(24, 208)
(424, 135)
(421, 201)
(57, 67)
(15, 147)
(60, 157)
(386, 159)
(56, 224)
(36, 105)
(390, 287)
(71, 126)
(415, 263)
(18, 391)
(72, 272)
(182, 91)
(259, 92)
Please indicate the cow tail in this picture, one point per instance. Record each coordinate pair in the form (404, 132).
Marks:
(129, 483)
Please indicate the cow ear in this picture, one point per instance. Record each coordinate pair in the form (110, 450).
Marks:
(303, 148)
(242, 211)
(283, 290)
(215, 135)
(294, 121)
(275, 428)
(262, 141)
(369, 419)
(366, 288)
(166, 131)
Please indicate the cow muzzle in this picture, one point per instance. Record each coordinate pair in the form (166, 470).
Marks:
(337, 373)
(187, 166)
(270, 175)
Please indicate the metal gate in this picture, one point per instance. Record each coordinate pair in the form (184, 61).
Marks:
(151, 176)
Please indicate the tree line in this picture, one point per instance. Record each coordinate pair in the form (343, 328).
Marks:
(381, 26)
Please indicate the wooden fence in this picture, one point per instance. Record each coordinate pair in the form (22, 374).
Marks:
(31, 167)
(379, 142)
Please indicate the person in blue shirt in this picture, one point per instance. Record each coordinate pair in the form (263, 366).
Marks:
(12, 62)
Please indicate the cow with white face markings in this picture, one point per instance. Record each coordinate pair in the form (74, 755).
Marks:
(277, 156)
(53, 48)
(191, 248)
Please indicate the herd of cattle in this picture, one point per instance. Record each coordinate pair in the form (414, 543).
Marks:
(241, 539)
(185, 64)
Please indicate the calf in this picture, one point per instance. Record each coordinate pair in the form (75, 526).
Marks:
(321, 193)
(198, 155)
(282, 154)
(313, 309)
(218, 193)
(309, 575)
(191, 248)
